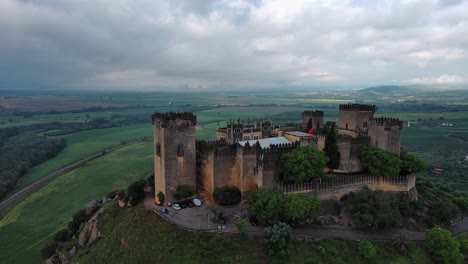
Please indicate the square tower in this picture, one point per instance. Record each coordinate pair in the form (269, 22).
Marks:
(354, 118)
(174, 152)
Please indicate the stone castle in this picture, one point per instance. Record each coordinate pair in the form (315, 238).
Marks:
(246, 154)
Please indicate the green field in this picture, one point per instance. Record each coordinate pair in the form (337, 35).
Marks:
(30, 225)
(85, 143)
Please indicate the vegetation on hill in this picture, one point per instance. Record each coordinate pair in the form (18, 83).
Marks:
(272, 207)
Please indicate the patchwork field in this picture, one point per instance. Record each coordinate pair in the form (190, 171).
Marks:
(29, 226)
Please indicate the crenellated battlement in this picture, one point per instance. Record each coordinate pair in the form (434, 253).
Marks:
(387, 122)
(165, 118)
(312, 113)
(358, 107)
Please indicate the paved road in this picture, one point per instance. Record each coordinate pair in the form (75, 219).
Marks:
(41, 182)
(198, 218)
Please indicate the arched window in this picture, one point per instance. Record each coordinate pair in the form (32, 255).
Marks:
(158, 149)
(180, 150)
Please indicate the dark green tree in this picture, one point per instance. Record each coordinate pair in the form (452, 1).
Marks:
(441, 212)
(331, 150)
(299, 207)
(410, 163)
(442, 247)
(227, 195)
(161, 198)
(303, 163)
(277, 239)
(379, 162)
(136, 191)
(266, 206)
(309, 125)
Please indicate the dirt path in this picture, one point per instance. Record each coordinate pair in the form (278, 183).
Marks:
(41, 182)
(459, 140)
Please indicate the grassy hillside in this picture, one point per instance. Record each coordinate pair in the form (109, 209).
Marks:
(149, 239)
(29, 226)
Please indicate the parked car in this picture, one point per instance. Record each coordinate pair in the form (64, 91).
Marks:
(196, 202)
(176, 206)
(163, 210)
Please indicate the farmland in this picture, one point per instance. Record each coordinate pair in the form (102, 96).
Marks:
(29, 226)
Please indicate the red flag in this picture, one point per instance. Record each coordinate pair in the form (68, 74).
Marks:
(311, 131)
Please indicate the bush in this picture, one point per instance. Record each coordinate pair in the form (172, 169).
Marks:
(464, 246)
(161, 198)
(112, 194)
(49, 250)
(277, 239)
(136, 191)
(62, 235)
(242, 225)
(183, 191)
(367, 249)
(78, 218)
(227, 195)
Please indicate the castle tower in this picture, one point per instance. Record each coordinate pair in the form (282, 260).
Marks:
(174, 152)
(354, 118)
(315, 116)
(385, 133)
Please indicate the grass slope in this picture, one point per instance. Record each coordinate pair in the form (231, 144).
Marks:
(149, 239)
(85, 143)
(29, 226)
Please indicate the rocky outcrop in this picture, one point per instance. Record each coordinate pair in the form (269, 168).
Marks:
(57, 258)
(90, 232)
(91, 207)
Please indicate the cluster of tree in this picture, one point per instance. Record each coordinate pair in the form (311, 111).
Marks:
(380, 162)
(272, 207)
(303, 164)
(227, 195)
(373, 209)
(21, 153)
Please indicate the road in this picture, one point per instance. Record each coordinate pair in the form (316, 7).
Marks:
(41, 182)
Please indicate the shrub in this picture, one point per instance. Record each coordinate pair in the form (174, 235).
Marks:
(49, 250)
(112, 194)
(136, 191)
(367, 249)
(227, 195)
(464, 246)
(78, 218)
(62, 235)
(183, 191)
(277, 239)
(161, 197)
(241, 225)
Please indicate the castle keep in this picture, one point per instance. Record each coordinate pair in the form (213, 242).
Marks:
(247, 154)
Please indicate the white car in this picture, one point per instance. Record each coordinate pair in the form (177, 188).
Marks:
(196, 202)
(176, 206)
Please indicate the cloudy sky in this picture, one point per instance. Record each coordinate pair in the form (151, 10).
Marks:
(202, 44)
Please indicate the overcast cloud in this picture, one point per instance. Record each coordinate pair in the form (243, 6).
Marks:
(159, 45)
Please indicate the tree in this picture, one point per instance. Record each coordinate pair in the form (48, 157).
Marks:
(400, 242)
(266, 206)
(367, 249)
(303, 163)
(277, 239)
(227, 195)
(136, 191)
(410, 163)
(442, 247)
(380, 162)
(49, 250)
(299, 207)
(183, 191)
(331, 150)
(440, 212)
(309, 125)
(242, 225)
